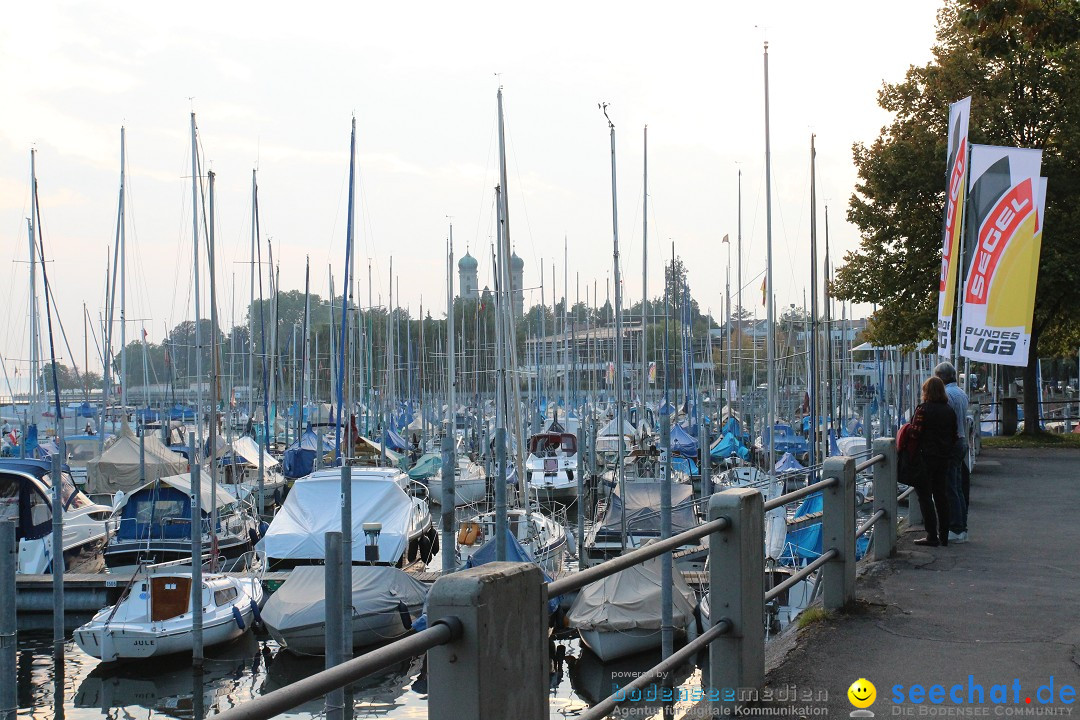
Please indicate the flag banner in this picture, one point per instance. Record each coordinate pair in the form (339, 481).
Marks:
(611, 373)
(652, 373)
(1003, 239)
(955, 186)
(763, 289)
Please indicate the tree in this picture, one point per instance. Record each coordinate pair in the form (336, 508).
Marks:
(1020, 62)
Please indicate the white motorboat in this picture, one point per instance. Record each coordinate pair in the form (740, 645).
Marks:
(543, 537)
(620, 615)
(154, 616)
(551, 466)
(26, 498)
(313, 507)
(385, 601)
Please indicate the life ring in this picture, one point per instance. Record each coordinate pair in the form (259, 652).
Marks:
(469, 533)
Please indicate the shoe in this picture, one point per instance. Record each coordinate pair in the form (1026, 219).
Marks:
(960, 537)
(932, 542)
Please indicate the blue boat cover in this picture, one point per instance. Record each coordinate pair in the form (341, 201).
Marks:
(394, 441)
(515, 552)
(728, 445)
(788, 464)
(683, 443)
(684, 464)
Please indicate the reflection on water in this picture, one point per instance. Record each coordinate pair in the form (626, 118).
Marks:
(81, 688)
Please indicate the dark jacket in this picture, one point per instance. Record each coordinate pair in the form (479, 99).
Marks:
(936, 424)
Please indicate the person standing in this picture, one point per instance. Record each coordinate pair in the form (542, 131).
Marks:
(958, 503)
(933, 433)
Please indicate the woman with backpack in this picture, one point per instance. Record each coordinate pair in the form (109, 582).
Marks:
(928, 443)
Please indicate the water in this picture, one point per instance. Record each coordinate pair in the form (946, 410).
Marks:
(254, 666)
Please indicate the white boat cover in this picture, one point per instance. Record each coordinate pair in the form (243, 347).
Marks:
(246, 448)
(118, 467)
(629, 600)
(376, 589)
(313, 507)
(612, 429)
(851, 445)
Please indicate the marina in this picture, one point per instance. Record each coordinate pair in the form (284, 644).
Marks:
(321, 442)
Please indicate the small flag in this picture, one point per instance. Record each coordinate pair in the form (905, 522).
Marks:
(763, 293)
(144, 333)
(611, 372)
(652, 373)
(725, 239)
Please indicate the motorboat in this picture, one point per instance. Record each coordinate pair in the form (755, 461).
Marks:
(385, 601)
(620, 615)
(551, 466)
(153, 525)
(606, 444)
(81, 449)
(543, 537)
(26, 497)
(154, 615)
(406, 535)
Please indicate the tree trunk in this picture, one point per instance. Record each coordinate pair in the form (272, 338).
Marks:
(1032, 421)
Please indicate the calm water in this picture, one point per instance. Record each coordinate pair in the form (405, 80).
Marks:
(254, 666)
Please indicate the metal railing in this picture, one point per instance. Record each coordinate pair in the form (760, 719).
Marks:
(488, 629)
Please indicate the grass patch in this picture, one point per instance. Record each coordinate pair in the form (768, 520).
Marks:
(1038, 440)
(811, 615)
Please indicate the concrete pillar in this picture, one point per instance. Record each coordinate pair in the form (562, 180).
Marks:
(885, 498)
(333, 606)
(838, 531)
(737, 594)
(9, 553)
(498, 668)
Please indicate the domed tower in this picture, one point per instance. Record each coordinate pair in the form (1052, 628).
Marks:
(467, 277)
(517, 275)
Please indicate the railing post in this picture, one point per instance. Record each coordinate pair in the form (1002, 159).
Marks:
(885, 498)
(838, 532)
(498, 668)
(737, 593)
(9, 559)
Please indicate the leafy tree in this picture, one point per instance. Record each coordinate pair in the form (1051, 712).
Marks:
(1020, 62)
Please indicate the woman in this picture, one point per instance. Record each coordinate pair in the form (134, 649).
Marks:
(933, 429)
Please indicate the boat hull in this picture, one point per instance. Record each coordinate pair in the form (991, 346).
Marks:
(613, 644)
(367, 630)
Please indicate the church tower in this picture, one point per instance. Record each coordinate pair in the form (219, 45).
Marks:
(467, 278)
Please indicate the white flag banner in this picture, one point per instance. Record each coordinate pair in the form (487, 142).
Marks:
(1002, 243)
(955, 187)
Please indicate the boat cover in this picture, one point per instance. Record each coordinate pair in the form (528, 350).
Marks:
(612, 429)
(376, 590)
(788, 464)
(118, 467)
(643, 508)
(728, 445)
(630, 600)
(246, 450)
(312, 508)
(682, 442)
(426, 466)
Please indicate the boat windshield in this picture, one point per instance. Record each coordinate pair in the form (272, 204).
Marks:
(71, 496)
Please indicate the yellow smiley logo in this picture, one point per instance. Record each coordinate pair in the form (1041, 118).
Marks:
(862, 693)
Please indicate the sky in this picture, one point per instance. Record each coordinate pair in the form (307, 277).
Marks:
(274, 86)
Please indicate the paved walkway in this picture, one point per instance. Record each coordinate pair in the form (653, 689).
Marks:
(1003, 607)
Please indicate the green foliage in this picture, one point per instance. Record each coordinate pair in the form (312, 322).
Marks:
(1034, 440)
(1020, 62)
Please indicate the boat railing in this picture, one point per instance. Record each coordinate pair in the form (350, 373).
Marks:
(473, 613)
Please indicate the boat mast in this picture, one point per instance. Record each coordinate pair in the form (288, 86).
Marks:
(644, 278)
(738, 292)
(770, 343)
(344, 341)
(618, 330)
(195, 265)
(815, 395)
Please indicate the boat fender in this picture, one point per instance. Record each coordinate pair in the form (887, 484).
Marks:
(434, 544)
(256, 614)
(571, 543)
(468, 534)
(238, 617)
(403, 611)
(263, 527)
(425, 548)
(253, 536)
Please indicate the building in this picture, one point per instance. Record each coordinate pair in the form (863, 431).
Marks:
(468, 289)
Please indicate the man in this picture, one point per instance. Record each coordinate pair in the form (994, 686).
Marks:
(957, 497)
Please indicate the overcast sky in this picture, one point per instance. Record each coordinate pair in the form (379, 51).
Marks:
(274, 85)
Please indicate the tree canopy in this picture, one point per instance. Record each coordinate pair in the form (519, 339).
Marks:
(1019, 60)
